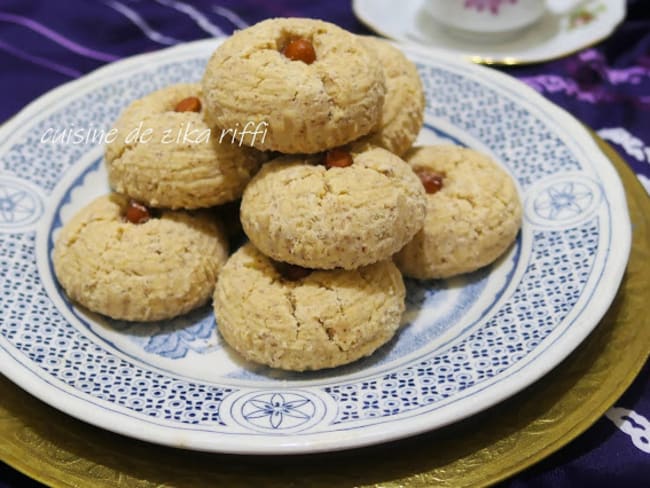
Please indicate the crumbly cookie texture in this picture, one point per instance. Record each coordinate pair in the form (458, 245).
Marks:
(403, 112)
(308, 107)
(295, 210)
(326, 319)
(176, 165)
(470, 222)
(140, 272)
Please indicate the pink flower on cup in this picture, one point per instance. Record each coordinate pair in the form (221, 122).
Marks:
(492, 5)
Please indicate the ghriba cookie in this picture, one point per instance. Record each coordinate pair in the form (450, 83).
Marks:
(153, 270)
(299, 211)
(165, 154)
(309, 83)
(314, 320)
(403, 112)
(473, 213)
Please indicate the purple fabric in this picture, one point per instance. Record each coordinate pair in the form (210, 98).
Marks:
(45, 43)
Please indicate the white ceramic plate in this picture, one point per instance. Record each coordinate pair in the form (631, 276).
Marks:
(466, 343)
(552, 37)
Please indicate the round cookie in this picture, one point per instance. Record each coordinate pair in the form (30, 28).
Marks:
(151, 271)
(304, 108)
(297, 211)
(471, 220)
(171, 159)
(325, 319)
(403, 112)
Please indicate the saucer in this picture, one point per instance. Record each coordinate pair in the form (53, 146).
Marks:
(552, 37)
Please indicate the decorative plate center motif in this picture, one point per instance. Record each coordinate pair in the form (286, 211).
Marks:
(563, 201)
(19, 205)
(278, 410)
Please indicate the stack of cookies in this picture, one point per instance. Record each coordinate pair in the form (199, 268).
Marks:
(151, 250)
(312, 128)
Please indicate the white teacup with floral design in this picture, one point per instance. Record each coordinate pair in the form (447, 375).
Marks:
(487, 19)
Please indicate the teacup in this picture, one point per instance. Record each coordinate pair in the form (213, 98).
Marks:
(493, 19)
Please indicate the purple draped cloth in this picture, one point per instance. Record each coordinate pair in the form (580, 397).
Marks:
(45, 43)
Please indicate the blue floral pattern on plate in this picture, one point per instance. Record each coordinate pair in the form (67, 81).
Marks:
(278, 410)
(564, 200)
(20, 204)
(174, 338)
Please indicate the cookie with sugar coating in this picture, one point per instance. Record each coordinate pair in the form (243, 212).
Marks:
(166, 158)
(156, 270)
(306, 107)
(403, 111)
(321, 320)
(471, 221)
(298, 211)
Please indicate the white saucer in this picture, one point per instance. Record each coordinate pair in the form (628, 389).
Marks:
(552, 37)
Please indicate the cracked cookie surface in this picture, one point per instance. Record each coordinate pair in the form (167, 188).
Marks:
(326, 319)
(171, 159)
(403, 110)
(141, 272)
(470, 222)
(308, 107)
(297, 211)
